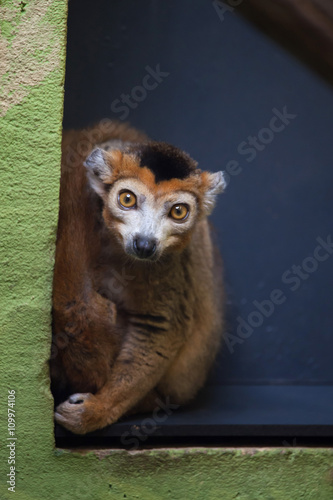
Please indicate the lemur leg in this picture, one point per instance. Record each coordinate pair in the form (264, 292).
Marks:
(188, 372)
(137, 370)
(85, 344)
(148, 403)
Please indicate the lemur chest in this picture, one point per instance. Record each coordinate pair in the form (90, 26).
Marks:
(136, 291)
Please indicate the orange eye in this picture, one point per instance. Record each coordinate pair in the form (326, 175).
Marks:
(179, 212)
(127, 199)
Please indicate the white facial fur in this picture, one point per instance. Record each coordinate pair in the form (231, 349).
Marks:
(151, 217)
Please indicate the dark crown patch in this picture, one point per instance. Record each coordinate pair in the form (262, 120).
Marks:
(165, 161)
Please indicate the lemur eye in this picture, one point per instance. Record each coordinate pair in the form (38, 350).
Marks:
(126, 199)
(179, 212)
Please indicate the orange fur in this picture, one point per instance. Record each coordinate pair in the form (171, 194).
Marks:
(155, 333)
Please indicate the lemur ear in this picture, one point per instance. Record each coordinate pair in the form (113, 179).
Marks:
(216, 184)
(98, 170)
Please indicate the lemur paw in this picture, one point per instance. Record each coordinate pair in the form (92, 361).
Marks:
(79, 414)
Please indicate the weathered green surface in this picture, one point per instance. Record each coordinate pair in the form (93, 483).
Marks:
(31, 85)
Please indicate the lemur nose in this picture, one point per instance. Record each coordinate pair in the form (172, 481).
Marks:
(144, 247)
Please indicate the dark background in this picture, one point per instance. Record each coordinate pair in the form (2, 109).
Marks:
(225, 77)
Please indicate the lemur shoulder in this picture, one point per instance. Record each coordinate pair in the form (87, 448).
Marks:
(137, 295)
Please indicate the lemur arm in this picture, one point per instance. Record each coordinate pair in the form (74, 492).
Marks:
(137, 370)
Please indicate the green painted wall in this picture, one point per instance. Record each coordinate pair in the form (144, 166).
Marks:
(32, 51)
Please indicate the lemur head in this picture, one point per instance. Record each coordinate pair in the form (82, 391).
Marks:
(153, 195)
